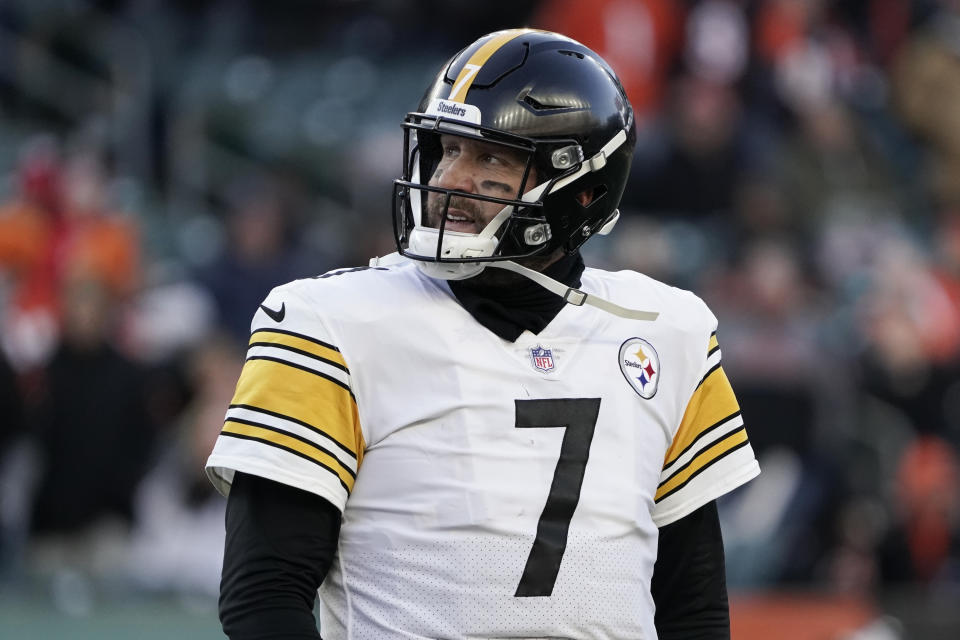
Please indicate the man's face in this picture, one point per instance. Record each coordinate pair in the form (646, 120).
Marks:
(475, 166)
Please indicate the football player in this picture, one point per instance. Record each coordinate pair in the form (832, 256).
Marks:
(478, 437)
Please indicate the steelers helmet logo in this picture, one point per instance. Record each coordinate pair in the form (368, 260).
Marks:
(640, 365)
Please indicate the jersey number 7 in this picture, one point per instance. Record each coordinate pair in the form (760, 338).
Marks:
(578, 417)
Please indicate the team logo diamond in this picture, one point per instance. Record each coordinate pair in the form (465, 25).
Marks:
(640, 365)
(542, 358)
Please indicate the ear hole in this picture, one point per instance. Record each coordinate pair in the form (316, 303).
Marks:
(588, 197)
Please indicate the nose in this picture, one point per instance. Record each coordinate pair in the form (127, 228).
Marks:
(456, 174)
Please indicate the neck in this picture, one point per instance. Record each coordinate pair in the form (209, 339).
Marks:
(508, 303)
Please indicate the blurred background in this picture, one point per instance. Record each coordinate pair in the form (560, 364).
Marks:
(163, 164)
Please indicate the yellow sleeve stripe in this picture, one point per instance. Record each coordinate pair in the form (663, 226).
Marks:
(471, 69)
(350, 452)
(299, 343)
(713, 345)
(700, 463)
(311, 443)
(724, 424)
(304, 395)
(293, 365)
(711, 403)
(292, 444)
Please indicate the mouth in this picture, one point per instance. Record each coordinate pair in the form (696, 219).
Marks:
(460, 220)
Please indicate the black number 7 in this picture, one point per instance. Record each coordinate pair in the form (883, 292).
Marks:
(579, 418)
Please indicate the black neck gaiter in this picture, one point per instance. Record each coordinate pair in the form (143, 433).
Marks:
(508, 303)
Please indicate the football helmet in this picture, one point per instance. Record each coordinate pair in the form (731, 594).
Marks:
(543, 95)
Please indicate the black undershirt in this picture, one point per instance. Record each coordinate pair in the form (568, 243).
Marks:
(279, 545)
(281, 540)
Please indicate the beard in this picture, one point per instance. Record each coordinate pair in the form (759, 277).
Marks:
(437, 209)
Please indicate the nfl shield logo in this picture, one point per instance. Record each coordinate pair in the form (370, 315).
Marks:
(542, 358)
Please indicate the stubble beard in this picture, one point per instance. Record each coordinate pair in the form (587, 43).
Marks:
(437, 210)
(490, 276)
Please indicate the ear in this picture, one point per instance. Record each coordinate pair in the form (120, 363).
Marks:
(585, 197)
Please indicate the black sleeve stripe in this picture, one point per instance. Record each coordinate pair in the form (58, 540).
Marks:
(276, 345)
(713, 333)
(307, 369)
(701, 470)
(283, 416)
(690, 461)
(297, 335)
(307, 441)
(713, 351)
(288, 450)
(707, 375)
(719, 423)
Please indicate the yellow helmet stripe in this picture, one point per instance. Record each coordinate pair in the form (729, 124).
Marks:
(470, 70)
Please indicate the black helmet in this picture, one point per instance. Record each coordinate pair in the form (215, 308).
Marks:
(545, 95)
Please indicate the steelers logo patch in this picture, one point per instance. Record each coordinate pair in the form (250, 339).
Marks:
(640, 365)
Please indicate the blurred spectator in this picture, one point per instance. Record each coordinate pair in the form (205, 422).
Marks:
(717, 41)
(23, 219)
(639, 38)
(769, 309)
(781, 26)
(911, 360)
(94, 238)
(926, 83)
(923, 545)
(260, 254)
(60, 225)
(178, 540)
(25, 224)
(91, 424)
(830, 171)
(761, 212)
(702, 146)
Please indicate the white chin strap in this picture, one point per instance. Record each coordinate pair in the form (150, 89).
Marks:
(574, 296)
(570, 295)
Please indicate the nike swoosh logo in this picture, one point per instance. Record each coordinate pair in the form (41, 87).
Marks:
(277, 315)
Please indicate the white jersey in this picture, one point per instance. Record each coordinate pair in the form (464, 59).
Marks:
(489, 489)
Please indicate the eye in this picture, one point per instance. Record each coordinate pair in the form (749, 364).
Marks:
(450, 150)
(489, 158)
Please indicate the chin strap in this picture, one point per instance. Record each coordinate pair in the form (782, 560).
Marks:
(569, 294)
(574, 296)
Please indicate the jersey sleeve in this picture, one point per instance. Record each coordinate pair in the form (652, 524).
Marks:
(293, 418)
(710, 454)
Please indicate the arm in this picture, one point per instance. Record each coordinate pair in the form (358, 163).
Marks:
(689, 579)
(279, 545)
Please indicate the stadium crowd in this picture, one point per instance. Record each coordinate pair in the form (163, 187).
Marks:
(798, 166)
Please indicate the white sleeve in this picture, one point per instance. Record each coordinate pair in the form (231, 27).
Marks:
(710, 453)
(293, 418)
